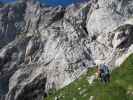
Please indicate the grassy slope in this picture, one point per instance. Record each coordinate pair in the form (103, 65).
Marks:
(121, 83)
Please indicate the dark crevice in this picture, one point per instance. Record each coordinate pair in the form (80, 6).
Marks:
(4, 86)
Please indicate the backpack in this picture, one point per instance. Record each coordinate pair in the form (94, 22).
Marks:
(105, 69)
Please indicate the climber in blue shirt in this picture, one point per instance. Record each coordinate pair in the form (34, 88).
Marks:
(104, 73)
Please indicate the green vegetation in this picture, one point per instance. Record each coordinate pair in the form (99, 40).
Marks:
(120, 87)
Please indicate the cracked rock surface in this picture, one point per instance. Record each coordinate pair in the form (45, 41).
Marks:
(44, 48)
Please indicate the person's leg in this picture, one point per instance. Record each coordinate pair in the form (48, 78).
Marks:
(108, 78)
(100, 76)
(103, 78)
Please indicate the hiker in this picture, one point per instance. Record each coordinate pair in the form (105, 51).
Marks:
(97, 72)
(104, 73)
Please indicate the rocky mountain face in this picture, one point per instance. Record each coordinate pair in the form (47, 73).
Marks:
(44, 48)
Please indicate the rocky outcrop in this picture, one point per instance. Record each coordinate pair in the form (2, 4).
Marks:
(49, 47)
(106, 18)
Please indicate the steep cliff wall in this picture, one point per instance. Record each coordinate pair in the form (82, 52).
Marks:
(48, 47)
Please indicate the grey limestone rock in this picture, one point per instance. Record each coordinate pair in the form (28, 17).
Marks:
(44, 48)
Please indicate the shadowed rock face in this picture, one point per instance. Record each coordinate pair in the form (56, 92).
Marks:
(45, 48)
